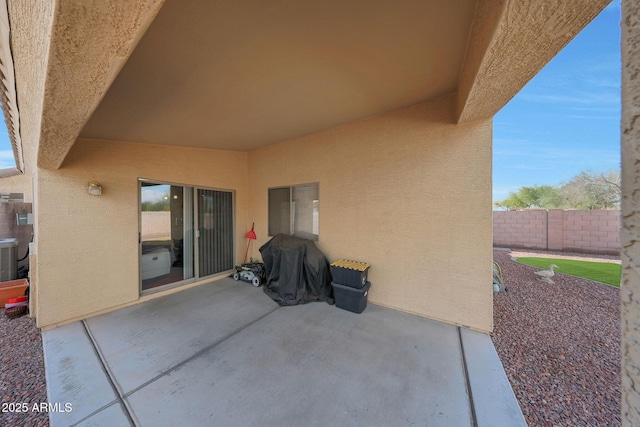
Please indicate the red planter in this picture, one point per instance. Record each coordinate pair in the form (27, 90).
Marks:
(12, 289)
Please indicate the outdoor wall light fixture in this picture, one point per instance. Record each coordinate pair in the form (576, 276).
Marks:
(95, 189)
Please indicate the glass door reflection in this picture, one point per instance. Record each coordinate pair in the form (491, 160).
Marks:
(166, 234)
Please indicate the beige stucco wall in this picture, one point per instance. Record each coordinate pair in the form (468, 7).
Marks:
(88, 245)
(408, 192)
(630, 234)
(17, 184)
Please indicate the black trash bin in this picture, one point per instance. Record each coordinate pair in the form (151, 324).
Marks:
(349, 298)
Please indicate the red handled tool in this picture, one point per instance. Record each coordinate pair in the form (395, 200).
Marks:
(251, 235)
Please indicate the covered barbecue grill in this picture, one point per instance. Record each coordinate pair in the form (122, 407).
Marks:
(297, 271)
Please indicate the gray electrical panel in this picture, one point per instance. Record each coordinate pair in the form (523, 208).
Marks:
(24, 218)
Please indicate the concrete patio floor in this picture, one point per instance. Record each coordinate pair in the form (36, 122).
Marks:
(225, 354)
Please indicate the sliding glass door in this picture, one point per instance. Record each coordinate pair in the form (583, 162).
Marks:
(215, 223)
(172, 250)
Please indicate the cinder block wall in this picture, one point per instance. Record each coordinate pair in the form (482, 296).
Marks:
(559, 230)
(155, 224)
(591, 231)
(520, 229)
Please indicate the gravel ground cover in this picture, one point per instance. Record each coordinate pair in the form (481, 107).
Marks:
(22, 380)
(559, 345)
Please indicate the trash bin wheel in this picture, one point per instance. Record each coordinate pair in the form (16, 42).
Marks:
(256, 281)
(236, 276)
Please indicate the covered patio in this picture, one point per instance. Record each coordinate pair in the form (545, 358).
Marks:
(224, 354)
(386, 108)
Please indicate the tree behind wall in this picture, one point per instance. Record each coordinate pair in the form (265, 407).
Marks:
(537, 196)
(588, 190)
(160, 205)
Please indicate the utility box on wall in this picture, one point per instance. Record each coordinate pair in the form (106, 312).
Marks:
(24, 219)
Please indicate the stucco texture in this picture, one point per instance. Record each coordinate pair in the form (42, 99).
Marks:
(88, 245)
(630, 235)
(94, 40)
(18, 184)
(510, 43)
(30, 61)
(408, 192)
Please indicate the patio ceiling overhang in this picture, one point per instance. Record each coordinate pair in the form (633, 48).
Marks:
(242, 75)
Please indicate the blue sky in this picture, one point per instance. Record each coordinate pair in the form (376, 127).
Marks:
(567, 118)
(6, 154)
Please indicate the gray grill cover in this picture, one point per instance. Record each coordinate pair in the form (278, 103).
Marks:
(297, 271)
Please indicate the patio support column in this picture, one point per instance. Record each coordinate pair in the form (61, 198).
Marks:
(630, 234)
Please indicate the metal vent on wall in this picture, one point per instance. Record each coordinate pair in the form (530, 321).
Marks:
(11, 197)
(8, 259)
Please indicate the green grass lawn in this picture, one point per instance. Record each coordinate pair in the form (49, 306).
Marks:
(604, 272)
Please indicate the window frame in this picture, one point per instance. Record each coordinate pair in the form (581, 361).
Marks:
(292, 220)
